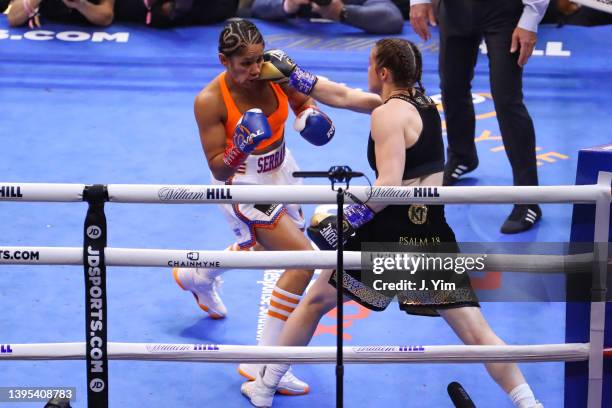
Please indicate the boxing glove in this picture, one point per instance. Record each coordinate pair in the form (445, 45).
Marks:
(323, 231)
(278, 66)
(252, 129)
(314, 126)
(358, 214)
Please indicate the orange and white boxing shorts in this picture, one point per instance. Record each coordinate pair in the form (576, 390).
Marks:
(274, 168)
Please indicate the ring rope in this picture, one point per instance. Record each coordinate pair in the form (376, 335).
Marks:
(600, 194)
(576, 263)
(191, 194)
(275, 354)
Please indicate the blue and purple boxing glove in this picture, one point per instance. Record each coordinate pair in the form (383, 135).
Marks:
(252, 129)
(358, 214)
(314, 126)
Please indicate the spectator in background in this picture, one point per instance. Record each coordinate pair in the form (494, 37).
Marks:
(373, 16)
(404, 7)
(564, 12)
(509, 29)
(173, 13)
(96, 12)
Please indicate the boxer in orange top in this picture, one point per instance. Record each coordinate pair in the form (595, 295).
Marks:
(241, 120)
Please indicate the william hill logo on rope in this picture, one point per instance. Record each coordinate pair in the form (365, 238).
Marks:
(205, 347)
(186, 194)
(425, 192)
(5, 349)
(417, 192)
(389, 349)
(167, 348)
(180, 348)
(10, 192)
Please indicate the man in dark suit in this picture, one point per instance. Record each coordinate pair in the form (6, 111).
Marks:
(509, 29)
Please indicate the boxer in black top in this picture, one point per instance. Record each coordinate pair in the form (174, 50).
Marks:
(405, 149)
(418, 228)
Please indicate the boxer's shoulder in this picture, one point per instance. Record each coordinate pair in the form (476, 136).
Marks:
(210, 100)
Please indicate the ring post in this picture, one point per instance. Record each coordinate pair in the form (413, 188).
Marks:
(599, 296)
(591, 381)
(94, 242)
(337, 174)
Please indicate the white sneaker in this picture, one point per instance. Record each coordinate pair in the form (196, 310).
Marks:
(258, 392)
(203, 288)
(288, 385)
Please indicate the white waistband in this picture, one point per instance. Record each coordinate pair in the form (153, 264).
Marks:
(268, 162)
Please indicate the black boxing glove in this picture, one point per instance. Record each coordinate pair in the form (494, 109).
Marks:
(279, 67)
(323, 232)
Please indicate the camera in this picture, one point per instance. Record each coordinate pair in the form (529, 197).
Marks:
(322, 2)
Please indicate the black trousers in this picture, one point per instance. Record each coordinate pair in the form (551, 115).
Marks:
(463, 24)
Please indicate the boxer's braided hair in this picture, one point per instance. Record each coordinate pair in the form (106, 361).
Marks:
(404, 60)
(237, 34)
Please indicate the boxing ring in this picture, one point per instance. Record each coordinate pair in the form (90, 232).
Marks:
(95, 256)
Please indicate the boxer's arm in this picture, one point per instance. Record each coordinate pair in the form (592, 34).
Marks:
(279, 67)
(341, 96)
(297, 100)
(314, 126)
(390, 146)
(212, 133)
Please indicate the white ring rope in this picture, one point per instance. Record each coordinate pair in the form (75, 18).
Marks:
(272, 354)
(192, 194)
(275, 259)
(600, 194)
